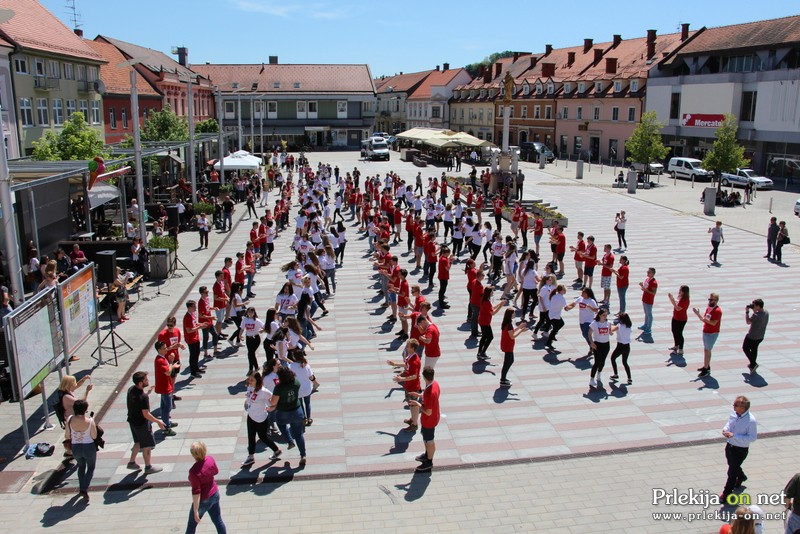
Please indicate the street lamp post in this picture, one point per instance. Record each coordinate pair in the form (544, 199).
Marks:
(137, 157)
(192, 173)
(239, 117)
(220, 147)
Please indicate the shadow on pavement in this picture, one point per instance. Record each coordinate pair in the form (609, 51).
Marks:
(401, 441)
(480, 367)
(676, 359)
(755, 380)
(709, 382)
(131, 485)
(415, 489)
(502, 395)
(55, 514)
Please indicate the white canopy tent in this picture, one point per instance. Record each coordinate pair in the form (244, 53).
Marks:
(443, 138)
(241, 160)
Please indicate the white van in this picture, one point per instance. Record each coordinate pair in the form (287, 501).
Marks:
(688, 168)
(375, 148)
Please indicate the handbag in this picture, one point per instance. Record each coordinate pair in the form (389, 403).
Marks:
(616, 227)
(786, 240)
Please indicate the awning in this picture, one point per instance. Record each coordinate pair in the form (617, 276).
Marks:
(102, 193)
(285, 130)
(317, 128)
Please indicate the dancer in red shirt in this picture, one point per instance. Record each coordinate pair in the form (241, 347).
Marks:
(428, 404)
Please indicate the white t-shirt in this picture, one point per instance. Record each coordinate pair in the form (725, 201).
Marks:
(544, 297)
(292, 338)
(556, 305)
(303, 375)
(624, 334)
(257, 402)
(529, 279)
(284, 301)
(251, 326)
(600, 331)
(586, 314)
(509, 262)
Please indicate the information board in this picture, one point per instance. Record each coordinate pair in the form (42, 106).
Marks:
(78, 308)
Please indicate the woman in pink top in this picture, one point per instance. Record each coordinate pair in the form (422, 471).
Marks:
(205, 493)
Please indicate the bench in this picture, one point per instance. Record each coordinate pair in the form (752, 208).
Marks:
(133, 283)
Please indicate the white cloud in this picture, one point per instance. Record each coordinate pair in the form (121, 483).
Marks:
(275, 9)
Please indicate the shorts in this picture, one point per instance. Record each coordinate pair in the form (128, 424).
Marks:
(392, 297)
(219, 313)
(537, 238)
(514, 225)
(560, 256)
(409, 397)
(605, 282)
(428, 433)
(588, 271)
(709, 340)
(143, 435)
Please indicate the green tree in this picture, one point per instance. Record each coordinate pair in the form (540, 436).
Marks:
(207, 126)
(726, 155)
(75, 141)
(165, 125)
(644, 145)
(474, 68)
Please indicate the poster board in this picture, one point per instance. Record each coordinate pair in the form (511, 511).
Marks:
(78, 306)
(34, 332)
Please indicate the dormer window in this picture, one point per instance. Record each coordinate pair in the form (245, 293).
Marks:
(276, 85)
(598, 87)
(538, 88)
(550, 88)
(634, 86)
(567, 88)
(581, 87)
(296, 85)
(526, 89)
(617, 86)
(472, 94)
(483, 93)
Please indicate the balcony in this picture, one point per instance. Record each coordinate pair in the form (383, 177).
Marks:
(46, 84)
(85, 86)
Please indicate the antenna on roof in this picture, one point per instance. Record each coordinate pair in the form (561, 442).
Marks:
(74, 15)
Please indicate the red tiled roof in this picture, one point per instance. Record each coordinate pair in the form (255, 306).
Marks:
(3, 42)
(762, 33)
(153, 60)
(117, 79)
(34, 27)
(312, 78)
(401, 82)
(436, 78)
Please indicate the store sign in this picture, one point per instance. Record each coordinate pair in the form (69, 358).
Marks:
(702, 120)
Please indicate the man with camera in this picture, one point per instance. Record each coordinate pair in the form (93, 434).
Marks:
(757, 318)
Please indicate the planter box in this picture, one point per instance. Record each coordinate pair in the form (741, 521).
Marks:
(162, 261)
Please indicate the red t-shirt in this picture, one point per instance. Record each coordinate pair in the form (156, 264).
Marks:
(622, 279)
(712, 314)
(444, 268)
(204, 313)
(681, 315)
(485, 313)
(472, 272)
(507, 342)
(226, 275)
(523, 222)
(498, 206)
(430, 250)
(649, 284)
(220, 297)
(432, 348)
(164, 382)
(418, 302)
(430, 401)
(190, 321)
(239, 276)
(403, 294)
(578, 249)
(538, 226)
(414, 333)
(561, 246)
(411, 368)
(517, 213)
(475, 292)
(608, 263)
(590, 260)
(171, 336)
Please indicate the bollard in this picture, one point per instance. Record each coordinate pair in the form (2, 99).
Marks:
(674, 179)
(693, 181)
(770, 204)
(566, 164)
(590, 165)
(601, 168)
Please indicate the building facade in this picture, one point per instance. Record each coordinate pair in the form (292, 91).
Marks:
(429, 103)
(392, 100)
(749, 70)
(307, 104)
(8, 111)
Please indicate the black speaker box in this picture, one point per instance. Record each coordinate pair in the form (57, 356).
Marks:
(173, 221)
(106, 266)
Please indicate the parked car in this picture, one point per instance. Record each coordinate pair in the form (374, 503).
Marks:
(688, 168)
(530, 150)
(375, 148)
(655, 167)
(742, 177)
(383, 135)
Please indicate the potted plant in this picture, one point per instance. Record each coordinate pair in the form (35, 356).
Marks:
(156, 245)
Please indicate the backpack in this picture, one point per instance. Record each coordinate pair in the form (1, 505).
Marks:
(58, 407)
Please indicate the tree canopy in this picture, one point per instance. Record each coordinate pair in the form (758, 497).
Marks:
(207, 126)
(165, 125)
(475, 68)
(75, 141)
(644, 145)
(726, 155)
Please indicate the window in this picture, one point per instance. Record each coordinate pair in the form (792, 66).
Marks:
(596, 113)
(258, 109)
(301, 109)
(112, 118)
(25, 112)
(53, 69)
(675, 106)
(42, 112)
(617, 86)
(58, 112)
(488, 118)
(578, 143)
(272, 109)
(69, 71)
(537, 114)
(538, 88)
(312, 110)
(500, 111)
(296, 85)
(462, 114)
(480, 115)
(598, 87)
(631, 114)
(526, 89)
(91, 74)
(579, 113)
(562, 145)
(83, 107)
(436, 112)
(634, 86)
(21, 66)
(341, 109)
(488, 136)
(581, 87)
(230, 110)
(96, 117)
(548, 112)
(748, 112)
(72, 107)
(550, 88)
(81, 70)
(511, 112)
(125, 118)
(276, 85)
(615, 114)
(567, 88)
(524, 112)
(38, 66)
(565, 112)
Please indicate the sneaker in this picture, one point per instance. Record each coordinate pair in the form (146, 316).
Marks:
(302, 461)
(408, 421)
(291, 445)
(705, 371)
(422, 457)
(173, 424)
(275, 455)
(133, 466)
(630, 381)
(753, 369)
(169, 432)
(505, 383)
(424, 467)
(152, 469)
(248, 461)
(592, 383)
(614, 376)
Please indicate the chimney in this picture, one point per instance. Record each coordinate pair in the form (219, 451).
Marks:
(684, 31)
(79, 32)
(548, 70)
(273, 60)
(437, 68)
(617, 39)
(611, 65)
(598, 55)
(587, 45)
(183, 56)
(445, 66)
(498, 68)
(487, 75)
(651, 43)
(534, 61)
(570, 58)
(547, 49)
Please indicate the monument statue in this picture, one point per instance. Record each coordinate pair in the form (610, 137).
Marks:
(508, 84)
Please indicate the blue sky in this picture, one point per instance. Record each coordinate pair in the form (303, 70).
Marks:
(391, 36)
